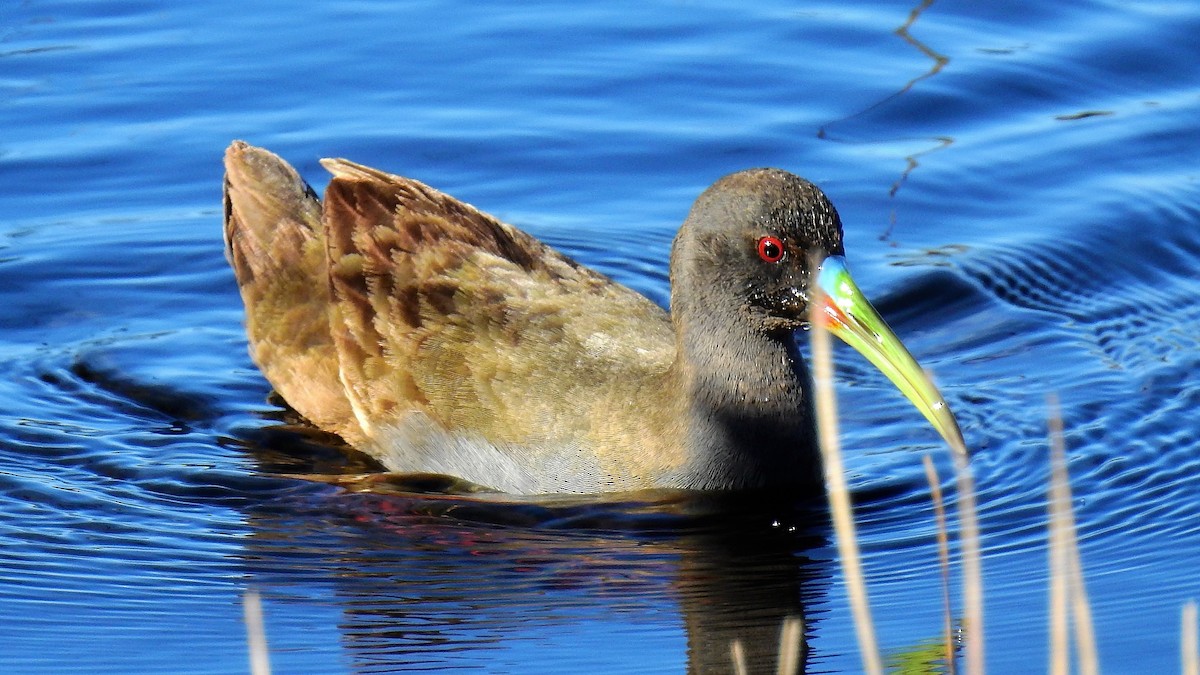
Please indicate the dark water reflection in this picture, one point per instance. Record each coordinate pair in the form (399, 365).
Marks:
(407, 569)
(402, 608)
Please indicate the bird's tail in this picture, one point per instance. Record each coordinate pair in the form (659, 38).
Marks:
(275, 241)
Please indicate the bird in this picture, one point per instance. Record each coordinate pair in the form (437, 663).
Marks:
(439, 340)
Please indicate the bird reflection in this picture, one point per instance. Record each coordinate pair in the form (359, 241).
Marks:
(430, 580)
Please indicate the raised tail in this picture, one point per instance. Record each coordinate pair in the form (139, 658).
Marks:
(275, 242)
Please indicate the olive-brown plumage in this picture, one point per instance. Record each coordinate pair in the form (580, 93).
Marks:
(439, 339)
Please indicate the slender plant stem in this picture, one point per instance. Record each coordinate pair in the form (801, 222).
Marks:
(968, 524)
(791, 635)
(943, 541)
(835, 481)
(1188, 641)
(1057, 504)
(256, 634)
(1081, 609)
(737, 654)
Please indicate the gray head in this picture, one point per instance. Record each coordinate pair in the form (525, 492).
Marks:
(742, 268)
(747, 246)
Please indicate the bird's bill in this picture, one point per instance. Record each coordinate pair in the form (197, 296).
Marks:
(849, 315)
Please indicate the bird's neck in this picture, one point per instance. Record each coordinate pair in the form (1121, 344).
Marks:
(750, 421)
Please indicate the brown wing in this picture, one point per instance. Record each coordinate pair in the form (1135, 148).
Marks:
(276, 244)
(441, 309)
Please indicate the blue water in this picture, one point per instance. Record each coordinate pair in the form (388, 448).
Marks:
(1021, 196)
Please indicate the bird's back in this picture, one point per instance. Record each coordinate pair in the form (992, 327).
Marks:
(439, 339)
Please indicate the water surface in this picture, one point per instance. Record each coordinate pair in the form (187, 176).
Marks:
(1020, 192)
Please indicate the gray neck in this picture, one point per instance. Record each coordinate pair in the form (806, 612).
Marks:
(750, 422)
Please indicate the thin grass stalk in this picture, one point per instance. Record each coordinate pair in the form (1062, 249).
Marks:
(256, 634)
(968, 525)
(835, 481)
(791, 633)
(1189, 643)
(1057, 503)
(737, 654)
(943, 542)
(1081, 609)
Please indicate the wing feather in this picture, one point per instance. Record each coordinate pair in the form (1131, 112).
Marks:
(443, 309)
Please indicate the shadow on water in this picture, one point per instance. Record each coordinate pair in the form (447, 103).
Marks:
(422, 576)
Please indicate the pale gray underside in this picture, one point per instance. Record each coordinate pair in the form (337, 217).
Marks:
(420, 445)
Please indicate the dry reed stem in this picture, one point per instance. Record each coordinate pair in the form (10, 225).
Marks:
(1081, 608)
(943, 541)
(1188, 643)
(835, 481)
(1085, 634)
(790, 635)
(256, 635)
(1058, 502)
(968, 525)
(737, 654)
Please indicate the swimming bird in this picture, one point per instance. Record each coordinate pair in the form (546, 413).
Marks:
(438, 339)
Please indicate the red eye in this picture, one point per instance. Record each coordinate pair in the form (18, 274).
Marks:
(770, 249)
